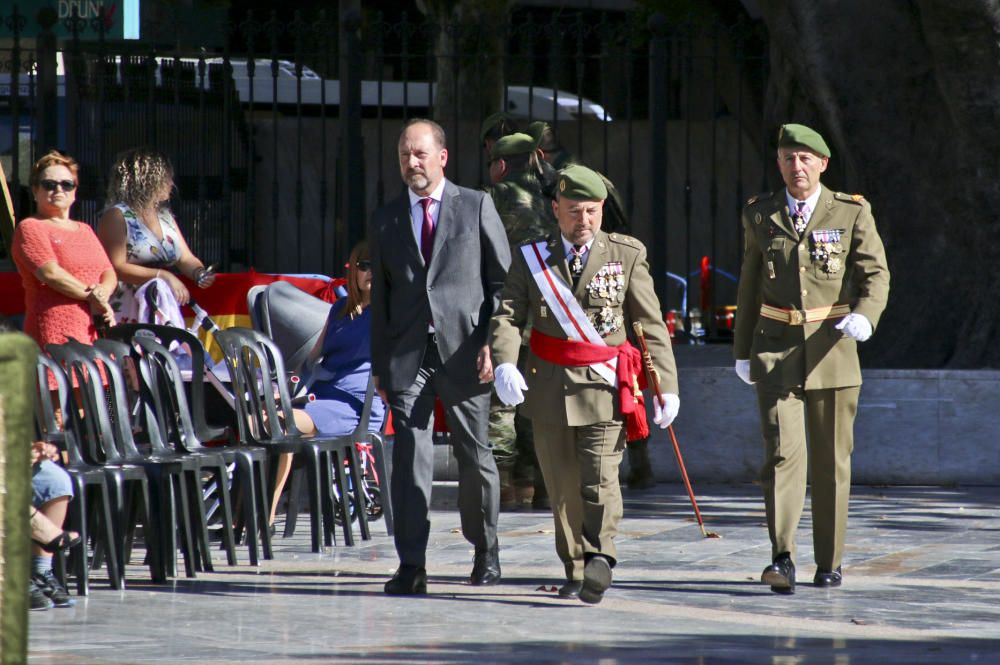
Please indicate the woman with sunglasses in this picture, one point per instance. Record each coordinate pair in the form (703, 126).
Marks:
(343, 350)
(140, 234)
(341, 363)
(67, 276)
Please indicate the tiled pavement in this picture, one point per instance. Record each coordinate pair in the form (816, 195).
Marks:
(922, 585)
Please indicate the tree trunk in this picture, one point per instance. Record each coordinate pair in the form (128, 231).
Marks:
(469, 55)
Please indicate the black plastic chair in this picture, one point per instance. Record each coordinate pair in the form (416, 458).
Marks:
(105, 413)
(249, 480)
(257, 369)
(262, 302)
(85, 474)
(249, 461)
(163, 392)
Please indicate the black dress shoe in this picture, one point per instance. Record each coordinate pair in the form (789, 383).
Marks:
(780, 574)
(486, 567)
(828, 578)
(571, 589)
(596, 579)
(408, 581)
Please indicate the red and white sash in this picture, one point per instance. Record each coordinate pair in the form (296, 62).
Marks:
(565, 308)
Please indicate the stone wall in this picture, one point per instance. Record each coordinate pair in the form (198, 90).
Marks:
(933, 427)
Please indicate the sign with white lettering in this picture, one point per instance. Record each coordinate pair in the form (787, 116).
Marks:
(119, 18)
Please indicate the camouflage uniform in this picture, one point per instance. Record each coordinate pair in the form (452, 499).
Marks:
(525, 210)
(526, 213)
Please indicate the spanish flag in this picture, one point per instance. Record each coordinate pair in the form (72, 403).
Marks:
(226, 300)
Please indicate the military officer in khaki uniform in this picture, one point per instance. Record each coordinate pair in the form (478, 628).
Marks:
(582, 289)
(814, 283)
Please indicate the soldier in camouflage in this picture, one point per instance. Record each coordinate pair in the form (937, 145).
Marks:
(493, 128)
(526, 213)
(556, 157)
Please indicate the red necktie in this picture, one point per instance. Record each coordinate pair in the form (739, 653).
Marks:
(427, 231)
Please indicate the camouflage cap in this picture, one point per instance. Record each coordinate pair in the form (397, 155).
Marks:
(793, 135)
(490, 122)
(536, 128)
(581, 184)
(513, 144)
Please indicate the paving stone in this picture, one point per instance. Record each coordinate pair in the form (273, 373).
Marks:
(921, 581)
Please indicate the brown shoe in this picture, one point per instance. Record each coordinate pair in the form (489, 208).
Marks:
(524, 495)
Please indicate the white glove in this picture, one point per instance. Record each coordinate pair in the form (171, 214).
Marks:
(856, 326)
(509, 384)
(743, 371)
(665, 415)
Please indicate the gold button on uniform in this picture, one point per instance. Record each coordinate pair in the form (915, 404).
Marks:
(534, 371)
(802, 268)
(805, 292)
(802, 247)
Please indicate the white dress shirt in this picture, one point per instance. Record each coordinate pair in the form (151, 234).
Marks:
(793, 203)
(417, 209)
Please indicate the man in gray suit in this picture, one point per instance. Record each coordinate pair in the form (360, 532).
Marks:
(439, 259)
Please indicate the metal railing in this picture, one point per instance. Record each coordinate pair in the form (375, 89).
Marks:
(283, 138)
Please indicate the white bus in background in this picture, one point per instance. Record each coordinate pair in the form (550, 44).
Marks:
(522, 101)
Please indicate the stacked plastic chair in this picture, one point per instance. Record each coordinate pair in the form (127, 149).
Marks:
(265, 417)
(90, 512)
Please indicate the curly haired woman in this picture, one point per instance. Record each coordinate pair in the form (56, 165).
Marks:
(140, 234)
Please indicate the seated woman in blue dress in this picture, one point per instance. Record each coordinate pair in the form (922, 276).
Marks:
(340, 379)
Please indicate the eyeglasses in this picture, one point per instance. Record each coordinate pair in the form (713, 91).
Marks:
(364, 266)
(52, 185)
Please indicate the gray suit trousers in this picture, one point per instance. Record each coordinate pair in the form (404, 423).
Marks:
(467, 413)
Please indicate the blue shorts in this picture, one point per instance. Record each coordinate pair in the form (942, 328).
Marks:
(49, 481)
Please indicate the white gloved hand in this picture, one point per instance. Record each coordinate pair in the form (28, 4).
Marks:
(856, 326)
(743, 371)
(665, 415)
(509, 384)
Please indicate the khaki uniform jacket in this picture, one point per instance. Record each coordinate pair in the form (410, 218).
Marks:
(783, 269)
(576, 396)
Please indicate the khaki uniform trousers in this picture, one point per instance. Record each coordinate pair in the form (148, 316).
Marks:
(826, 418)
(580, 468)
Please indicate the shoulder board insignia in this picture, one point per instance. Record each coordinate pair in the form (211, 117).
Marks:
(756, 197)
(623, 239)
(854, 198)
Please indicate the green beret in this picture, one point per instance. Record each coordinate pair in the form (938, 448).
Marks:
(581, 184)
(490, 122)
(793, 135)
(536, 128)
(513, 144)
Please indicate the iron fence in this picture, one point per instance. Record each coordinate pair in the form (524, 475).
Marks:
(283, 133)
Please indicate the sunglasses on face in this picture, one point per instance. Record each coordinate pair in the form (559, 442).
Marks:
(364, 266)
(52, 185)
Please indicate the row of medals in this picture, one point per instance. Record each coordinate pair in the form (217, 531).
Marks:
(609, 284)
(826, 246)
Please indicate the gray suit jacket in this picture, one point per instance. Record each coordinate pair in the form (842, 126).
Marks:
(459, 292)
